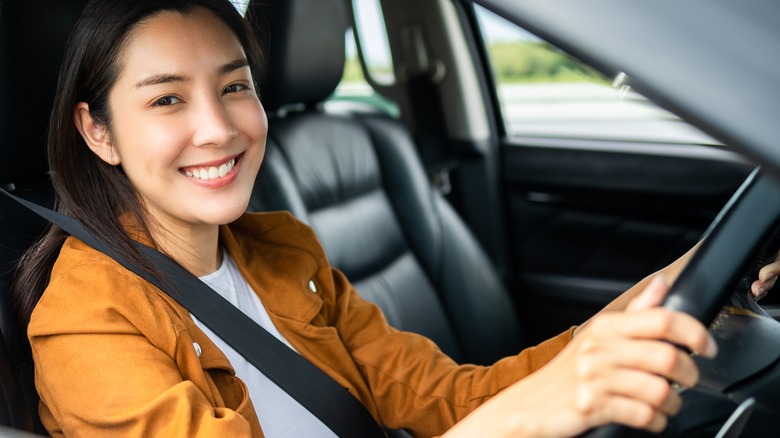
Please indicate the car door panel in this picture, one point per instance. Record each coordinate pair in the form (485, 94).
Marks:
(588, 219)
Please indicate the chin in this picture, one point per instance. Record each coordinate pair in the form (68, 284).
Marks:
(223, 214)
(226, 217)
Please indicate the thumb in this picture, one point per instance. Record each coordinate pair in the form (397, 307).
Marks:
(652, 296)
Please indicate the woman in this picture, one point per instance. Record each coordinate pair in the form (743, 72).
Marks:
(157, 135)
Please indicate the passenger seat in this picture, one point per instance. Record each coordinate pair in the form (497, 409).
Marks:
(358, 181)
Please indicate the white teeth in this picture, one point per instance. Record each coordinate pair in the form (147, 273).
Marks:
(207, 173)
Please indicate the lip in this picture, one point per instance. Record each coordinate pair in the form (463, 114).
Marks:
(216, 182)
(215, 163)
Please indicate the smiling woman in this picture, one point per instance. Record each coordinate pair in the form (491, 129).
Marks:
(157, 136)
(92, 186)
(187, 105)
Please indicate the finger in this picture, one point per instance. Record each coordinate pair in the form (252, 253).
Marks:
(769, 271)
(648, 388)
(658, 323)
(759, 289)
(600, 359)
(652, 296)
(629, 412)
(767, 276)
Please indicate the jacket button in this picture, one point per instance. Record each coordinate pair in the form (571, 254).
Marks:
(198, 350)
(312, 286)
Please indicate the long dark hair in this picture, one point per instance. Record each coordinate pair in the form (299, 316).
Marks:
(87, 188)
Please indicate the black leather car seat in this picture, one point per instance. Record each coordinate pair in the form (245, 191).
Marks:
(358, 181)
(32, 43)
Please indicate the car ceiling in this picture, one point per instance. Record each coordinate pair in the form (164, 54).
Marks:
(713, 62)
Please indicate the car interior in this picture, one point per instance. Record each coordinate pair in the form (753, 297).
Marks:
(483, 241)
(356, 179)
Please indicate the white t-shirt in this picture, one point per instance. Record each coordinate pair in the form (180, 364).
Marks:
(280, 415)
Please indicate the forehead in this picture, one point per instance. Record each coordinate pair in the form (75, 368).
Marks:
(171, 41)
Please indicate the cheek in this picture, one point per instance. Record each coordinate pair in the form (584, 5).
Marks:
(151, 145)
(253, 122)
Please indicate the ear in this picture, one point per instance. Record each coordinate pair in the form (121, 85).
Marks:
(95, 134)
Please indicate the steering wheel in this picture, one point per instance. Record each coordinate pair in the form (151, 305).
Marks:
(741, 231)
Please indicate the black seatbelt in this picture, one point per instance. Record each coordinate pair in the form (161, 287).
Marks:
(310, 386)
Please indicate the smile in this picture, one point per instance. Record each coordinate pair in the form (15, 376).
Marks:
(206, 173)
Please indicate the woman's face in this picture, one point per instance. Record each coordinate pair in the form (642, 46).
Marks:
(187, 126)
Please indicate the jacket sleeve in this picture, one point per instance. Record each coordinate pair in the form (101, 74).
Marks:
(414, 384)
(105, 354)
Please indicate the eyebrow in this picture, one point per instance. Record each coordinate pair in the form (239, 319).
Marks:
(233, 65)
(165, 78)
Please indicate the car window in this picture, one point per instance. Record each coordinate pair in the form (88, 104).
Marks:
(543, 92)
(372, 34)
(241, 5)
(354, 86)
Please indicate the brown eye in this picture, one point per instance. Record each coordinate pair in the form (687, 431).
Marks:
(235, 88)
(166, 101)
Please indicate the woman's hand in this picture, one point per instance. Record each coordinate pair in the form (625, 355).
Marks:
(767, 277)
(617, 369)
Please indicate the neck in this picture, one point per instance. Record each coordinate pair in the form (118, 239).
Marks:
(195, 248)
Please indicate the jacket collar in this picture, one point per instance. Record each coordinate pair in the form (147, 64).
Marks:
(277, 267)
(274, 253)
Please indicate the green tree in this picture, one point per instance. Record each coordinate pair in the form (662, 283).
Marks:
(532, 61)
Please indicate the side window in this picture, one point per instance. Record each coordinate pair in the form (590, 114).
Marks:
(543, 92)
(372, 34)
(354, 87)
(241, 5)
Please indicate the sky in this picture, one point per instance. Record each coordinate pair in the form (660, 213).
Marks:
(499, 29)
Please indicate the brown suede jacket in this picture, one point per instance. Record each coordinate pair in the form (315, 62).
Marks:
(114, 355)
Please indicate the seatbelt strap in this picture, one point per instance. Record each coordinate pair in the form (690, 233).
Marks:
(430, 132)
(311, 387)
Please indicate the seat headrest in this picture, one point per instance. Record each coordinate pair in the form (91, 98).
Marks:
(32, 43)
(303, 43)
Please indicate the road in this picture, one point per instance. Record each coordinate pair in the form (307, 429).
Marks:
(591, 111)
(577, 110)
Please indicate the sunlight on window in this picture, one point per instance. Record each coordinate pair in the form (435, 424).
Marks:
(354, 88)
(241, 5)
(545, 92)
(373, 38)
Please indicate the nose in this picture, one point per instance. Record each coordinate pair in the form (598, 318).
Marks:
(213, 124)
